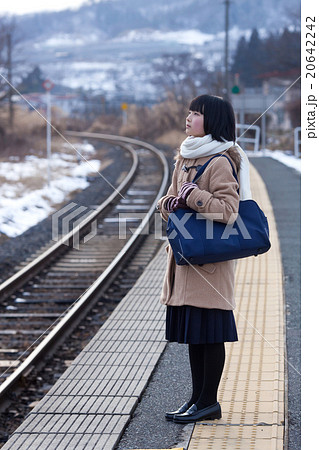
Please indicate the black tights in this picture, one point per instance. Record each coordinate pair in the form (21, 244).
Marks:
(207, 364)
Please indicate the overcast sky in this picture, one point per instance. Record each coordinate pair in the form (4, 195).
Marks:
(30, 6)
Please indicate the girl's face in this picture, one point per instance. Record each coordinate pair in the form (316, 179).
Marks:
(195, 124)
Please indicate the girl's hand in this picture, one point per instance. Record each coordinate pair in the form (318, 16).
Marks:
(186, 189)
(171, 204)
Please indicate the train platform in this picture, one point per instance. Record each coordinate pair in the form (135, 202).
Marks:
(93, 402)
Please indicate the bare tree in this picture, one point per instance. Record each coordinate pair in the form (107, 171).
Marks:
(185, 76)
(8, 45)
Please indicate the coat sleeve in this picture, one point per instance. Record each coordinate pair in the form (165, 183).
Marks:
(220, 201)
(172, 192)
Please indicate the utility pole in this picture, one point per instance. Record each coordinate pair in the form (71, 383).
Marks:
(48, 85)
(9, 63)
(226, 81)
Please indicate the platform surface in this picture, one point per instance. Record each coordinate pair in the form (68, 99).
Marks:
(252, 390)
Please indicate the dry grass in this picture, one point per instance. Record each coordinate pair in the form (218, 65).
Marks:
(155, 122)
(160, 123)
(28, 133)
(109, 124)
(25, 121)
(172, 138)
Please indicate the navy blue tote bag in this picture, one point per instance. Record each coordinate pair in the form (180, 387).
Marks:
(197, 240)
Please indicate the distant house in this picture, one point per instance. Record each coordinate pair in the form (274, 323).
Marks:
(287, 108)
(278, 93)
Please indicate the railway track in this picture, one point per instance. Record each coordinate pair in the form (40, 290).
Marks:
(50, 295)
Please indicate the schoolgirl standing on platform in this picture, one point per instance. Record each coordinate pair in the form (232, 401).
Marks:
(200, 299)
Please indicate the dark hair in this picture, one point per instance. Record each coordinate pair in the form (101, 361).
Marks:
(219, 117)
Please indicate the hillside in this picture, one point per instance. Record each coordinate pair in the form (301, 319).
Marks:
(114, 17)
(111, 46)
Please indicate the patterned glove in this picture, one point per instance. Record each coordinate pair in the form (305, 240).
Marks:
(170, 204)
(174, 203)
(186, 189)
(180, 203)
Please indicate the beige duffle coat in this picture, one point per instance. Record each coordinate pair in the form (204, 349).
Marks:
(208, 285)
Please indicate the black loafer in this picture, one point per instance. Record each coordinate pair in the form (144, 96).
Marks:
(170, 415)
(193, 414)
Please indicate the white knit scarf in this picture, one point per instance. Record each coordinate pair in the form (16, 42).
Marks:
(197, 147)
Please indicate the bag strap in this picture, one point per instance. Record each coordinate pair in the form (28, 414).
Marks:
(202, 169)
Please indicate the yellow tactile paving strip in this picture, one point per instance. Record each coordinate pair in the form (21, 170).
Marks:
(251, 392)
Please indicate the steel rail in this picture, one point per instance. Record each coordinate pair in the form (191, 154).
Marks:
(100, 283)
(114, 138)
(23, 275)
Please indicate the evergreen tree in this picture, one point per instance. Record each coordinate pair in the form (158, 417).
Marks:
(271, 54)
(240, 64)
(255, 55)
(32, 82)
(276, 53)
(289, 50)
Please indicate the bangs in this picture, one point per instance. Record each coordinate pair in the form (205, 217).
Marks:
(197, 104)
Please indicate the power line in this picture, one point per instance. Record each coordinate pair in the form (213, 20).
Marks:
(226, 81)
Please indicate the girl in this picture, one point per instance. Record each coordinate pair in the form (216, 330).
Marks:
(200, 299)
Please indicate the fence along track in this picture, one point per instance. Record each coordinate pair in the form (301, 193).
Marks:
(105, 277)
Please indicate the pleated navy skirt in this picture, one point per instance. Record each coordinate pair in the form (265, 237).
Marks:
(191, 325)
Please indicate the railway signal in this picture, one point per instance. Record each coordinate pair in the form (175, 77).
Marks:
(124, 112)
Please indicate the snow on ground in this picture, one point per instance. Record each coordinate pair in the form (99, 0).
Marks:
(192, 37)
(25, 197)
(188, 37)
(68, 40)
